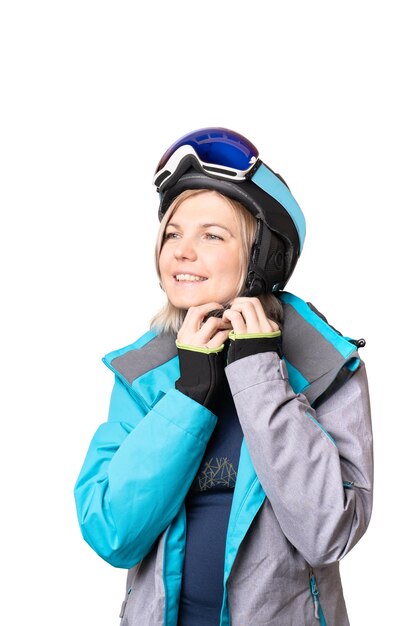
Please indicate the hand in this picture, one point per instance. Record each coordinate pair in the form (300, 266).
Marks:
(210, 334)
(247, 315)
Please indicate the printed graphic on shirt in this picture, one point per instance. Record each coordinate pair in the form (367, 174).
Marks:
(216, 473)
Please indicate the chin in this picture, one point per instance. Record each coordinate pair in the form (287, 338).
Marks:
(187, 300)
(186, 304)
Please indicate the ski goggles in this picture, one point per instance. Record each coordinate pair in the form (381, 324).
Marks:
(218, 152)
(225, 154)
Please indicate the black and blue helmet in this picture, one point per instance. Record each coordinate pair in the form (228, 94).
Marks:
(225, 161)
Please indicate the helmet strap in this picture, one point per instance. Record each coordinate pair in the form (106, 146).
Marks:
(266, 264)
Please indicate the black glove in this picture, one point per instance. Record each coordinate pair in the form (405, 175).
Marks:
(201, 375)
(246, 346)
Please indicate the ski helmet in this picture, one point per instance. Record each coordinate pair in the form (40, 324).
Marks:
(222, 160)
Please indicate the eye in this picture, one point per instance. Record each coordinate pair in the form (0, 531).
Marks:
(213, 237)
(170, 236)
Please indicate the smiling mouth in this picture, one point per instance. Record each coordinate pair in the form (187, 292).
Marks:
(189, 278)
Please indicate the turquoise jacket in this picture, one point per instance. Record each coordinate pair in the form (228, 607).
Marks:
(303, 493)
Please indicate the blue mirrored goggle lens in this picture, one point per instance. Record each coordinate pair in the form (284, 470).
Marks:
(217, 146)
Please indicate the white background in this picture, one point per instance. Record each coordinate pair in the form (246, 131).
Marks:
(92, 94)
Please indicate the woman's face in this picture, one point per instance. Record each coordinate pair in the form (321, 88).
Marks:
(200, 256)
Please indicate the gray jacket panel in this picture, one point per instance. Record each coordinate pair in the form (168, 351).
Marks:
(303, 456)
(269, 584)
(145, 595)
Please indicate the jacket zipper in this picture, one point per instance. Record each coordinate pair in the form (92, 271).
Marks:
(349, 484)
(318, 613)
(123, 607)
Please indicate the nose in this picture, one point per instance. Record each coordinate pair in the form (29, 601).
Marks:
(185, 249)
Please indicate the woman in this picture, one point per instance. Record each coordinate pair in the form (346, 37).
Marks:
(235, 469)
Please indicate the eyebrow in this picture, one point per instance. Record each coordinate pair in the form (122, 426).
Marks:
(206, 225)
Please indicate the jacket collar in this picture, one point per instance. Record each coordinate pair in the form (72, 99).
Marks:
(315, 354)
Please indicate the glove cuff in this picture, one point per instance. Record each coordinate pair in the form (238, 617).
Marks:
(201, 374)
(248, 344)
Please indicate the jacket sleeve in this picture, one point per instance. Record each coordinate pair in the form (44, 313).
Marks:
(137, 472)
(315, 466)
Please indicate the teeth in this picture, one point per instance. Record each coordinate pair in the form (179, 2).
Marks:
(189, 277)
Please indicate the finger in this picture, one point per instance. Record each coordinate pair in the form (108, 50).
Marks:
(273, 324)
(250, 301)
(225, 325)
(259, 323)
(196, 314)
(202, 309)
(218, 323)
(237, 321)
(218, 339)
(250, 314)
(210, 328)
(200, 337)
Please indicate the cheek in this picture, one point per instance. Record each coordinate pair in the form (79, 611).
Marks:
(162, 261)
(231, 264)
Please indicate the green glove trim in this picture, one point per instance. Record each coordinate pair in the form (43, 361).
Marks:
(233, 335)
(202, 349)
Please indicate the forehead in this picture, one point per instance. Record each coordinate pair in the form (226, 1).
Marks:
(206, 207)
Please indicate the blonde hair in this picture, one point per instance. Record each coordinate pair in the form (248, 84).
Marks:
(170, 318)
